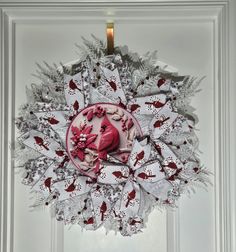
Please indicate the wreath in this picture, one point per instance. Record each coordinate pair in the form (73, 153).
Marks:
(107, 138)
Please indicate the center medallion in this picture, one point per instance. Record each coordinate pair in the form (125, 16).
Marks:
(99, 132)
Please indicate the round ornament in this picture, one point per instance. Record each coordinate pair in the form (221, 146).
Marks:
(99, 130)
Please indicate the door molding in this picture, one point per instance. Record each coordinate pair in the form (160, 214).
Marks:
(219, 13)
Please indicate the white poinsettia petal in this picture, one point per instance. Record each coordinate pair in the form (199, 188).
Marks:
(110, 86)
(73, 88)
(162, 120)
(43, 144)
(113, 174)
(140, 153)
(129, 203)
(149, 173)
(147, 105)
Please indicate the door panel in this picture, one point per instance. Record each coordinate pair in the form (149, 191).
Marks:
(187, 38)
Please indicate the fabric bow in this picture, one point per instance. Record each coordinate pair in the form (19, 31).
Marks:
(139, 175)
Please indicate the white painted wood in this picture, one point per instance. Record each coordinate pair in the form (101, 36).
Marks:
(209, 211)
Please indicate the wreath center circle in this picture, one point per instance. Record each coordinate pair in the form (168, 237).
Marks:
(100, 130)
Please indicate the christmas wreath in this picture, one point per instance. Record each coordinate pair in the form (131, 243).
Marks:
(107, 138)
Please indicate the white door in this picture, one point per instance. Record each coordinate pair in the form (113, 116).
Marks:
(191, 36)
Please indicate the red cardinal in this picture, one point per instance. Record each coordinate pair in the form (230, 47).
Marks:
(171, 165)
(110, 138)
(161, 82)
(47, 183)
(159, 123)
(112, 84)
(130, 197)
(143, 175)
(76, 105)
(133, 107)
(173, 177)
(72, 85)
(52, 120)
(103, 209)
(89, 221)
(156, 104)
(139, 156)
(59, 153)
(39, 141)
(119, 174)
(71, 187)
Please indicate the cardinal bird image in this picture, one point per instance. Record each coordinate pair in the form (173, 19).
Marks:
(89, 221)
(71, 187)
(59, 153)
(156, 104)
(52, 120)
(112, 84)
(130, 197)
(48, 182)
(39, 141)
(143, 175)
(159, 123)
(171, 165)
(133, 107)
(119, 175)
(161, 82)
(76, 105)
(175, 175)
(139, 156)
(73, 86)
(110, 138)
